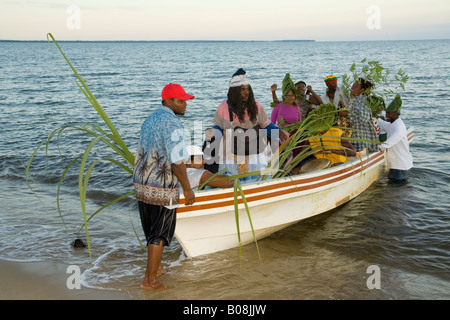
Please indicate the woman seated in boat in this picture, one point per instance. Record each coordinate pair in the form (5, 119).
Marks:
(198, 175)
(247, 151)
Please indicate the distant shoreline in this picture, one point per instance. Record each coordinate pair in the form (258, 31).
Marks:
(160, 41)
(213, 41)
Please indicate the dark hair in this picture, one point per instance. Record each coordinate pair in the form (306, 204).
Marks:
(365, 84)
(238, 107)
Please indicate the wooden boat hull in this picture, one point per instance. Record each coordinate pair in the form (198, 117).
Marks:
(210, 224)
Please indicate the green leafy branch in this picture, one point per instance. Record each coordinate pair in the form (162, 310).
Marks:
(385, 82)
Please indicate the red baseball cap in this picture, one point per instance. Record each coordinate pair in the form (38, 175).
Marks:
(173, 90)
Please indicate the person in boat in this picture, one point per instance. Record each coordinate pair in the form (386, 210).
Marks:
(197, 174)
(241, 131)
(359, 117)
(159, 169)
(329, 145)
(398, 157)
(305, 98)
(333, 93)
(288, 111)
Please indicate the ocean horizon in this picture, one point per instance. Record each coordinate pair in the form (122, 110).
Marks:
(281, 40)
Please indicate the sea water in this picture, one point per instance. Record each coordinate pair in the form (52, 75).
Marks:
(400, 230)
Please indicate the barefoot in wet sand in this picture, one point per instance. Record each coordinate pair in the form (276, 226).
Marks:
(153, 285)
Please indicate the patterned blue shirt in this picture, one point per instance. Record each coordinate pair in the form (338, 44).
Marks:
(161, 143)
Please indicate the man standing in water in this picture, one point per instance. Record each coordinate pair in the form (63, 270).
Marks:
(399, 159)
(159, 169)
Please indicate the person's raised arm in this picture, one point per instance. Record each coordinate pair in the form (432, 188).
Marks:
(314, 99)
(273, 88)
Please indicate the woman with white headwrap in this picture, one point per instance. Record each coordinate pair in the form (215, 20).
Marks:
(247, 152)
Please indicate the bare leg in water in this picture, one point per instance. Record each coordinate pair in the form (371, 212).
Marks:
(154, 268)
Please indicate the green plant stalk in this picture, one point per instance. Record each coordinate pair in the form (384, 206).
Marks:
(59, 188)
(95, 104)
(236, 215)
(249, 218)
(82, 185)
(385, 82)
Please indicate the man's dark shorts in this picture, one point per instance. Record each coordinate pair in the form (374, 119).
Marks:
(158, 223)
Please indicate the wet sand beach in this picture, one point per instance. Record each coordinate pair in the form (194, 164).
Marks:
(45, 281)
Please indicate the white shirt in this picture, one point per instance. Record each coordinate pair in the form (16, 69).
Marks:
(338, 95)
(396, 145)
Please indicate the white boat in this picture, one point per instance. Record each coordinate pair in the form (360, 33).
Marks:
(209, 225)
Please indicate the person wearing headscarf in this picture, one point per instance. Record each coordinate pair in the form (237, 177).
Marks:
(398, 157)
(286, 112)
(305, 97)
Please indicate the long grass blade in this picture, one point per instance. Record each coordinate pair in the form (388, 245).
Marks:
(135, 233)
(59, 188)
(94, 101)
(107, 205)
(82, 188)
(249, 218)
(236, 214)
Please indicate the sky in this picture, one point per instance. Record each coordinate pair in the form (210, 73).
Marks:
(320, 20)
